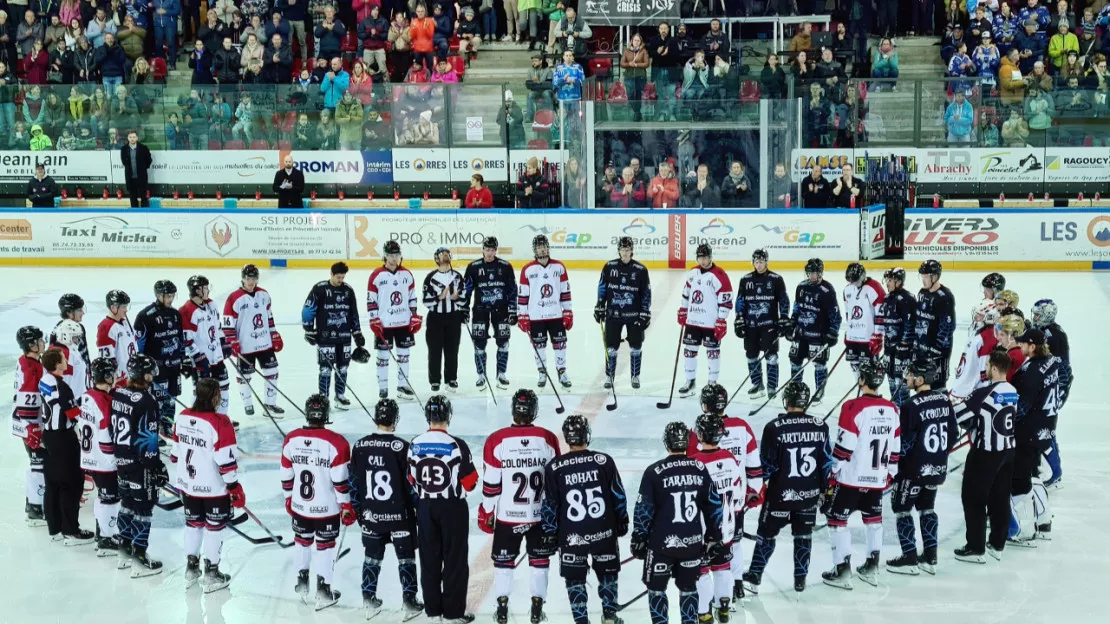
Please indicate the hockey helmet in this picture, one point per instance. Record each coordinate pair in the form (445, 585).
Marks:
(795, 395)
(714, 398)
(924, 368)
(165, 287)
(490, 242)
(116, 298)
(1011, 324)
(525, 406)
(139, 366)
(1007, 299)
(539, 241)
(710, 428)
(195, 283)
(760, 254)
(994, 281)
(871, 373)
(103, 370)
(438, 409)
(815, 266)
(249, 271)
(576, 430)
(895, 273)
(70, 302)
(1043, 313)
(676, 437)
(855, 273)
(386, 413)
(28, 337)
(984, 313)
(68, 333)
(930, 267)
(316, 409)
(391, 248)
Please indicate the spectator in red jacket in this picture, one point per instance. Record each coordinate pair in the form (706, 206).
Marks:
(479, 195)
(629, 193)
(422, 31)
(664, 187)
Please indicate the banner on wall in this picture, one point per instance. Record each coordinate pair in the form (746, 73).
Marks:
(491, 162)
(430, 164)
(18, 166)
(344, 167)
(254, 167)
(299, 235)
(1008, 235)
(632, 12)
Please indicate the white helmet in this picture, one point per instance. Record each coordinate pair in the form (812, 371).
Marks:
(68, 333)
(984, 313)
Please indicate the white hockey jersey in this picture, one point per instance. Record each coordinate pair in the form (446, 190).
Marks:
(248, 320)
(27, 402)
(391, 297)
(116, 339)
(863, 311)
(201, 324)
(728, 477)
(77, 371)
(94, 431)
(868, 445)
(971, 372)
(512, 482)
(205, 454)
(314, 465)
(706, 297)
(544, 291)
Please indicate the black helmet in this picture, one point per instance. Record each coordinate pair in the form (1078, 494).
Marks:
(490, 242)
(714, 397)
(165, 287)
(249, 271)
(815, 265)
(103, 370)
(27, 337)
(70, 302)
(895, 273)
(139, 366)
(994, 281)
(930, 267)
(924, 368)
(438, 409)
(195, 283)
(855, 273)
(760, 254)
(795, 394)
(386, 413)
(391, 247)
(576, 430)
(116, 297)
(676, 437)
(539, 240)
(525, 406)
(704, 249)
(871, 373)
(710, 428)
(625, 242)
(316, 409)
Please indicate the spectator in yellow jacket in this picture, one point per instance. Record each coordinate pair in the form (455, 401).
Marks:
(1060, 43)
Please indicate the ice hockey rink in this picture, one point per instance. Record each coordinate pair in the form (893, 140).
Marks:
(1060, 581)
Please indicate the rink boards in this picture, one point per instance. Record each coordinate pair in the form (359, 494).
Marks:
(973, 239)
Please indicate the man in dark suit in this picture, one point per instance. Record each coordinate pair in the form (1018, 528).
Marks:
(136, 160)
(289, 185)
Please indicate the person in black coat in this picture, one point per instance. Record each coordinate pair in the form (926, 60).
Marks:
(815, 189)
(200, 61)
(289, 185)
(42, 189)
(136, 161)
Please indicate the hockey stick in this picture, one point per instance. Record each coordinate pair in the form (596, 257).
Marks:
(339, 547)
(239, 369)
(403, 375)
(352, 390)
(837, 404)
(828, 376)
(758, 362)
(275, 539)
(801, 368)
(482, 372)
(612, 380)
(674, 373)
(622, 607)
(535, 349)
(179, 502)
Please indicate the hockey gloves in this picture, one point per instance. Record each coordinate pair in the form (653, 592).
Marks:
(831, 339)
(876, 344)
(233, 346)
(34, 436)
(512, 316)
(716, 550)
(524, 324)
(360, 355)
(644, 320)
(238, 498)
(377, 329)
(622, 527)
(161, 476)
(465, 314)
(785, 328)
(416, 323)
(188, 368)
(568, 319)
(347, 514)
(738, 326)
(227, 350)
(485, 520)
(599, 312)
(720, 330)
(682, 317)
(279, 344)
(755, 499)
(360, 340)
(203, 368)
(639, 547)
(310, 337)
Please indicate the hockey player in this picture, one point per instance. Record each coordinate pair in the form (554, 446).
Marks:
(928, 433)
(442, 469)
(898, 328)
(391, 308)
(1006, 331)
(971, 372)
(69, 337)
(988, 415)
(384, 499)
(795, 456)
(865, 461)
(677, 523)
(330, 321)
(993, 283)
(585, 507)
(1043, 317)
(1007, 303)
(208, 482)
(98, 454)
(517, 455)
(314, 475)
(934, 321)
(204, 343)
(623, 301)
(249, 331)
(138, 465)
(816, 325)
(1039, 393)
(27, 417)
(703, 316)
(115, 337)
(492, 283)
(739, 440)
(545, 309)
(71, 307)
(863, 316)
(442, 295)
(159, 334)
(762, 313)
(62, 467)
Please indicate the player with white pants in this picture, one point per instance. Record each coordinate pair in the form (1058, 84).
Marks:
(391, 308)
(98, 455)
(544, 309)
(248, 326)
(703, 314)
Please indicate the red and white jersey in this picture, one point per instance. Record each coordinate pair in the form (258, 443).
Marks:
(869, 443)
(391, 296)
(204, 451)
(706, 297)
(728, 477)
(77, 372)
(247, 320)
(94, 431)
(863, 311)
(116, 339)
(27, 403)
(971, 372)
(544, 291)
(1017, 358)
(742, 443)
(314, 471)
(202, 331)
(512, 482)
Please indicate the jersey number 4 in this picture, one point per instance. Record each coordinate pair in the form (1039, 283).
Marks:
(880, 456)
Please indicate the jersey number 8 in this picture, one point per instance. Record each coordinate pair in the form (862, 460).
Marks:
(86, 438)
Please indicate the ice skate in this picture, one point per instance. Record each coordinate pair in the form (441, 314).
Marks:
(35, 517)
(452, 386)
(302, 585)
(383, 394)
(192, 571)
(342, 403)
(143, 565)
(799, 584)
(687, 390)
(123, 556)
(967, 555)
(869, 571)
(481, 383)
(818, 396)
(537, 611)
(723, 613)
(749, 584)
(904, 564)
(563, 379)
(248, 410)
(325, 595)
(840, 575)
(435, 388)
(635, 383)
(1044, 532)
(411, 607)
(610, 617)
(502, 381)
(403, 392)
(997, 554)
(214, 580)
(608, 385)
(541, 381)
(372, 605)
(274, 411)
(756, 392)
(106, 546)
(501, 616)
(80, 538)
(928, 560)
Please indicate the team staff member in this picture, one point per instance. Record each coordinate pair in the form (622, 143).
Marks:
(845, 188)
(443, 296)
(42, 189)
(289, 184)
(479, 195)
(136, 160)
(816, 190)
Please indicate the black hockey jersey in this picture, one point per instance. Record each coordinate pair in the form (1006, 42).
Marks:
(584, 501)
(625, 289)
(761, 299)
(816, 311)
(677, 499)
(1039, 397)
(934, 321)
(492, 284)
(898, 324)
(381, 491)
(796, 459)
(159, 334)
(135, 423)
(332, 311)
(928, 425)
(1058, 345)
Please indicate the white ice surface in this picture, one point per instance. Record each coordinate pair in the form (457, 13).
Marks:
(1061, 581)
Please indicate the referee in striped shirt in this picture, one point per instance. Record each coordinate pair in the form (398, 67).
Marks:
(62, 467)
(988, 415)
(443, 296)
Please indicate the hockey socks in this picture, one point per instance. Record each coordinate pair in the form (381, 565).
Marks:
(406, 570)
(323, 383)
(125, 522)
(36, 484)
(688, 607)
(841, 542)
(383, 371)
(502, 359)
(764, 548)
(140, 526)
(690, 361)
(658, 606)
(193, 538)
(1052, 458)
(705, 592)
(106, 515)
(323, 561)
(244, 384)
(371, 568)
(578, 598)
(803, 546)
(772, 373)
(736, 566)
(820, 376)
(907, 533)
(755, 370)
(213, 543)
(930, 526)
(636, 357)
(382, 362)
(874, 532)
(502, 581)
(607, 591)
(714, 357)
(538, 583)
(610, 363)
(480, 362)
